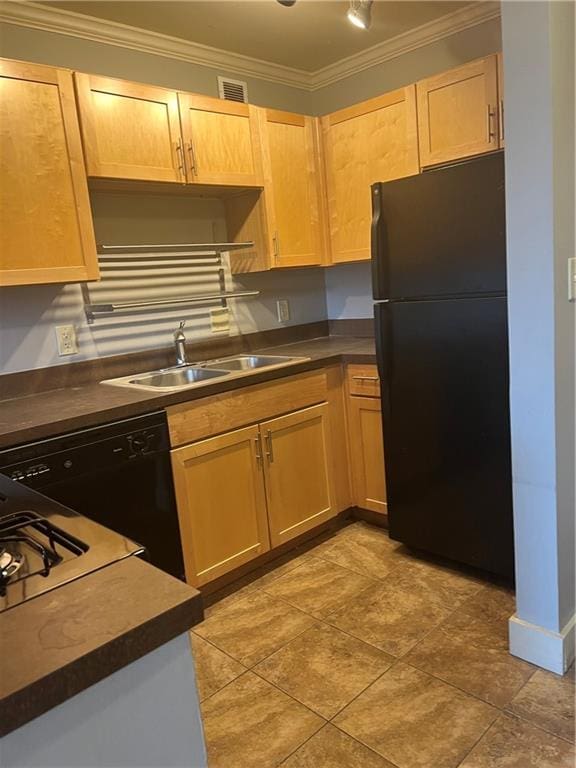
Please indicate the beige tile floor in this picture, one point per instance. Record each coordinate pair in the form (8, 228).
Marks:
(356, 653)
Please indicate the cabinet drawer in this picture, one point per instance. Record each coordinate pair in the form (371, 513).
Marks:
(220, 413)
(363, 380)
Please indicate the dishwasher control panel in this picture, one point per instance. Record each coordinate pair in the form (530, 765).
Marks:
(66, 458)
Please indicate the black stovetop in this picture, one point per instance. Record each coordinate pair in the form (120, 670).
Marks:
(44, 545)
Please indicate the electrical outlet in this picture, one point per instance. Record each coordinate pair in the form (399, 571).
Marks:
(283, 310)
(220, 320)
(66, 338)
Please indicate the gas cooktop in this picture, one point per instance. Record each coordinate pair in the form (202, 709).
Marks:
(44, 545)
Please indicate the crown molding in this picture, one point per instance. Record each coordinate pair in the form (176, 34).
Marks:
(438, 29)
(50, 19)
(35, 16)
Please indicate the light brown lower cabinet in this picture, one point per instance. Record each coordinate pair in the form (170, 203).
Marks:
(243, 491)
(221, 500)
(298, 476)
(367, 453)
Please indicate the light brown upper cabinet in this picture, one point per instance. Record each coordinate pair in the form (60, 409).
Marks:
(222, 141)
(372, 141)
(46, 233)
(293, 188)
(500, 67)
(458, 112)
(130, 131)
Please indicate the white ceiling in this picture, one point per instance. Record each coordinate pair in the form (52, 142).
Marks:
(309, 36)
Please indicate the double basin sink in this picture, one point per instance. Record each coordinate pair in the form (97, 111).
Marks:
(195, 374)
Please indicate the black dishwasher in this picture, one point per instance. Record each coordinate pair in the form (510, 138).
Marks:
(117, 474)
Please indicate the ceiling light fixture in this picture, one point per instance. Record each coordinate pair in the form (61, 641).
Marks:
(359, 13)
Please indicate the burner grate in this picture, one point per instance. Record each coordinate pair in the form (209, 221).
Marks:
(32, 530)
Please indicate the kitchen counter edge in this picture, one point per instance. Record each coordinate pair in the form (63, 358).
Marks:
(62, 642)
(26, 419)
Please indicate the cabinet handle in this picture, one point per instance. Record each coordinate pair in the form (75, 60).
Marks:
(501, 119)
(192, 153)
(491, 131)
(258, 449)
(366, 378)
(269, 448)
(181, 161)
(276, 241)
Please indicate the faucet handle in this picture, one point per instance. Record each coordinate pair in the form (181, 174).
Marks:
(179, 333)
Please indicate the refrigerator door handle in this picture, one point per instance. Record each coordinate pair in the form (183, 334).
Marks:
(377, 241)
(384, 348)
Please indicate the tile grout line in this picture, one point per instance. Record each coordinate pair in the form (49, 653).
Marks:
(216, 647)
(478, 740)
(323, 621)
(510, 713)
(399, 661)
(328, 719)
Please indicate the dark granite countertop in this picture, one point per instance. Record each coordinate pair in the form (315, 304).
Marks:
(64, 641)
(56, 411)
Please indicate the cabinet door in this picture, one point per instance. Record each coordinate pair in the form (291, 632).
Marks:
(367, 453)
(221, 503)
(222, 140)
(500, 67)
(130, 131)
(457, 112)
(46, 233)
(298, 472)
(372, 141)
(293, 190)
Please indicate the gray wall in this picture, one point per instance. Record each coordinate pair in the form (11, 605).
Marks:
(114, 61)
(28, 314)
(436, 57)
(539, 87)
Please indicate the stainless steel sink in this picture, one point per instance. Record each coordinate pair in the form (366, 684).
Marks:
(179, 377)
(250, 362)
(197, 374)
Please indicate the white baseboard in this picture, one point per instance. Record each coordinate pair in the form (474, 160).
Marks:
(541, 646)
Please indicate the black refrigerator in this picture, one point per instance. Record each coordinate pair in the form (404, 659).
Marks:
(439, 281)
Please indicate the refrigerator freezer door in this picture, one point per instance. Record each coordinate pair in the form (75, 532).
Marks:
(441, 233)
(444, 374)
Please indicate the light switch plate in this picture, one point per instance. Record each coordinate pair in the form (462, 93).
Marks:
(572, 279)
(283, 310)
(220, 320)
(66, 339)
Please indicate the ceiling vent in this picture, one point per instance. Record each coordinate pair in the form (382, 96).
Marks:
(232, 90)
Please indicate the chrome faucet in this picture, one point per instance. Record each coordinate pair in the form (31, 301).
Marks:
(180, 344)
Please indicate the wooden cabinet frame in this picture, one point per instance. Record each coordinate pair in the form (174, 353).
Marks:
(97, 165)
(193, 104)
(299, 478)
(223, 547)
(500, 67)
(367, 455)
(348, 188)
(306, 184)
(296, 474)
(366, 441)
(454, 149)
(50, 244)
